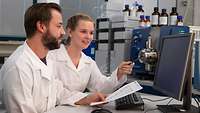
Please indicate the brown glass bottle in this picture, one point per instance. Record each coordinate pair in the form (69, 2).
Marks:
(163, 19)
(126, 11)
(173, 16)
(155, 17)
(139, 11)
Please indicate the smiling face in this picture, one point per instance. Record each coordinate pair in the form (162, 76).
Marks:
(82, 35)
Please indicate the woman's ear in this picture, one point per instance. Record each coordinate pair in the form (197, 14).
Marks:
(69, 32)
(41, 27)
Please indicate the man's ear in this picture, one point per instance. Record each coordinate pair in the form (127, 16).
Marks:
(41, 27)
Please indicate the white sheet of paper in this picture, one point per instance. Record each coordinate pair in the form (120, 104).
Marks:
(97, 103)
(123, 91)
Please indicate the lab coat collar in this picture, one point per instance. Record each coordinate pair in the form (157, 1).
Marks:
(46, 70)
(84, 60)
(63, 56)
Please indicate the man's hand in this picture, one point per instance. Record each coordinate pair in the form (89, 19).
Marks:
(124, 68)
(95, 97)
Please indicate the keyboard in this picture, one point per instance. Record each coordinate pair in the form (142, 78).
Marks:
(131, 101)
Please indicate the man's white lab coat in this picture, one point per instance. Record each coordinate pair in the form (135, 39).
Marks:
(28, 85)
(86, 75)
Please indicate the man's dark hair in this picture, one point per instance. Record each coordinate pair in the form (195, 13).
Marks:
(38, 12)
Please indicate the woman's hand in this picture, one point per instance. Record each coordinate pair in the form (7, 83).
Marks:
(124, 68)
(94, 97)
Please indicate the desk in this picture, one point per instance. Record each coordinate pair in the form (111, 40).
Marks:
(148, 105)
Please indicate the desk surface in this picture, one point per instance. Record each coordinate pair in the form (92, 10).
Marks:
(148, 106)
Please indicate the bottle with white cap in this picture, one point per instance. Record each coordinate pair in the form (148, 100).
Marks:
(179, 21)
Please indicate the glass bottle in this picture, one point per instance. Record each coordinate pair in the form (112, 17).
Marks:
(142, 21)
(173, 16)
(147, 21)
(126, 11)
(139, 11)
(155, 17)
(179, 21)
(163, 19)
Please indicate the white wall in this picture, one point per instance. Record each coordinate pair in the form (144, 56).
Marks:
(11, 16)
(196, 12)
(1, 15)
(48, 1)
(167, 4)
(12, 11)
(187, 11)
(70, 7)
(116, 6)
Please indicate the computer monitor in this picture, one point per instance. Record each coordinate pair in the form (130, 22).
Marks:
(173, 72)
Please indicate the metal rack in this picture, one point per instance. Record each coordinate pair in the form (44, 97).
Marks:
(117, 31)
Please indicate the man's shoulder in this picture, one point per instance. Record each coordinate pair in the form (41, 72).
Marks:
(16, 61)
(18, 57)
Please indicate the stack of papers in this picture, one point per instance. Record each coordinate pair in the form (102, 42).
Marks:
(123, 91)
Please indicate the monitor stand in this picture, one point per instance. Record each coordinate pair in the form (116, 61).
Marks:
(177, 109)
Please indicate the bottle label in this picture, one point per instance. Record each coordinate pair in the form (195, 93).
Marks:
(138, 14)
(179, 23)
(163, 20)
(148, 24)
(173, 19)
(126, 14)
(142, 24)
(155, 19)
(133, 13)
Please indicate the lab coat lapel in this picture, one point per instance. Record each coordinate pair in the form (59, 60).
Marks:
(84, 60)
(46, 70)
(64, 57)
(70, 65)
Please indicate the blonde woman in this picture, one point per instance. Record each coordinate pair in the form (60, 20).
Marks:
(78, 71)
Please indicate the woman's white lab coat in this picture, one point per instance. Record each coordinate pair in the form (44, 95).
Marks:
(86, 75)
(28, 85)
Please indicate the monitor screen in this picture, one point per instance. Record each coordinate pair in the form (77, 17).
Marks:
(173, 72)
(171, 68)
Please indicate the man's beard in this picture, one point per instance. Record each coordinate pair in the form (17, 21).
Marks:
(50, 41)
